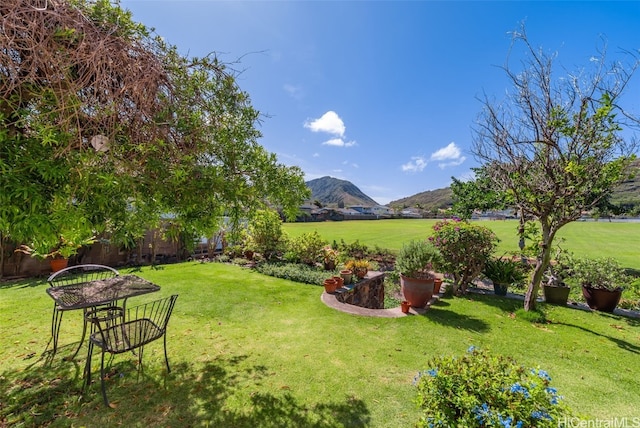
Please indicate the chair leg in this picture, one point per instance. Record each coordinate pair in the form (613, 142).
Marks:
(84, 334)
(102, 386)
(87, 367)
(56, 320)
(166, 358)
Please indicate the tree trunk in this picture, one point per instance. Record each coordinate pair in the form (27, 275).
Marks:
(543, 260)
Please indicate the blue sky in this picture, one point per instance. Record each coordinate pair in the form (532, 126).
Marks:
(383, 94)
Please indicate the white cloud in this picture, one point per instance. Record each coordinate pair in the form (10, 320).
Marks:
(448, 156)
(339, 142)
(416, 164)
(330, 123)
(316, 155)
(294, 91)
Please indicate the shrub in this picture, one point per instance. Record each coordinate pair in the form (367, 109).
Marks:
(306, 248)
(418, 259)
(479, 390)
(465, 248)
(266, 234)
(294, 272)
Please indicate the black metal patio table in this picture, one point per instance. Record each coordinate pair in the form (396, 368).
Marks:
(96, 293)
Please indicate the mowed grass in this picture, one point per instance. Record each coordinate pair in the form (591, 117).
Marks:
(590, 239)
(249, 350)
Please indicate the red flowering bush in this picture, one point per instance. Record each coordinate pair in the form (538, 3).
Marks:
(465, 248)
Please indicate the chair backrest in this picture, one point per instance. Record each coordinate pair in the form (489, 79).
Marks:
(80, 274)
(142, 324)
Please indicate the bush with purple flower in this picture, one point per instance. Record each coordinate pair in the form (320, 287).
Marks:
(480, 390)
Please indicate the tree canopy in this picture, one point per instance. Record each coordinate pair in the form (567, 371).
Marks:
(554, 146)
(104, 128)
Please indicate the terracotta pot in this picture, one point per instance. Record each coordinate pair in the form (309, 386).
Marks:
(339, 281)
(329, 265)
(58, 264)
(555, 294)
(416, 291)
(346, 276)
(330, 285)
(437, 283)
(361, 272)
(405, 306)
(601, 299)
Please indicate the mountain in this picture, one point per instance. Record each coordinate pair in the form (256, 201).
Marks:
(332, 191)
(627, 193)
(430, 200)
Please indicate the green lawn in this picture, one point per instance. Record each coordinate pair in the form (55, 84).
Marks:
(249, 350)
(593, 239)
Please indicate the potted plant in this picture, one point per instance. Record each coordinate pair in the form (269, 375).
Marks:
(602, 281)
(58, 252)
(359, 267)
(329, 258)
(503, 272)
(554, 286)
(346, 275)
(415, 263)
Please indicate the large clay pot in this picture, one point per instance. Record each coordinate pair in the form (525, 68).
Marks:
(346, 275)
(601, 299)
(417, 292)
(555, 294)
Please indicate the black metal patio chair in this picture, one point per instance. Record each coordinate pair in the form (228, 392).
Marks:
(117, 330)
(75, 275)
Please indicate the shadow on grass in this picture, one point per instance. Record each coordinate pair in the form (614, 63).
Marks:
(622, 344)
(22, 283)
(449, 318)
(224, 392)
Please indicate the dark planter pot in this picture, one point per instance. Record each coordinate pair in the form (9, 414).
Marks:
(500, 289)
(417, 292)
(601, 299)
(557, 295)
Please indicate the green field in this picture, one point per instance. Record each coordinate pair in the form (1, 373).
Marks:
(592, 239)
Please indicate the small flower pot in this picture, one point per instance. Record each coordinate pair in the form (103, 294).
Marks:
(500, 289)
(58, 264)
(405, 307)
(339, 281)
(330, 285)
(555, 294)
(437, 283)
(346, 276)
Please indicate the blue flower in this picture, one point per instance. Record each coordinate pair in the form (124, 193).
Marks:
(517, 388)
(482, 412)
(542, 374)
(550, 390)
(539, 414)
(432, 372)
(471, 349)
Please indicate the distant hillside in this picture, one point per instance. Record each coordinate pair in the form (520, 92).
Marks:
(331, 191)
(429, 200)
(627, 193)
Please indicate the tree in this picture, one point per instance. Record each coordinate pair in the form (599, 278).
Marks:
(555, 146)
(476, 194)
(99, 116)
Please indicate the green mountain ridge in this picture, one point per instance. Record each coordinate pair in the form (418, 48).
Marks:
(331, 191)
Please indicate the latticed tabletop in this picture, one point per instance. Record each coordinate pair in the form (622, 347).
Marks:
(100, 292)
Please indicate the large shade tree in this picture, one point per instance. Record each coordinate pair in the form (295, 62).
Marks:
(555, 146)
(104, 128)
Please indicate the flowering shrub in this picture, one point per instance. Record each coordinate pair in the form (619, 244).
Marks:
(480, 390)
(465, 248)
(306, 248)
